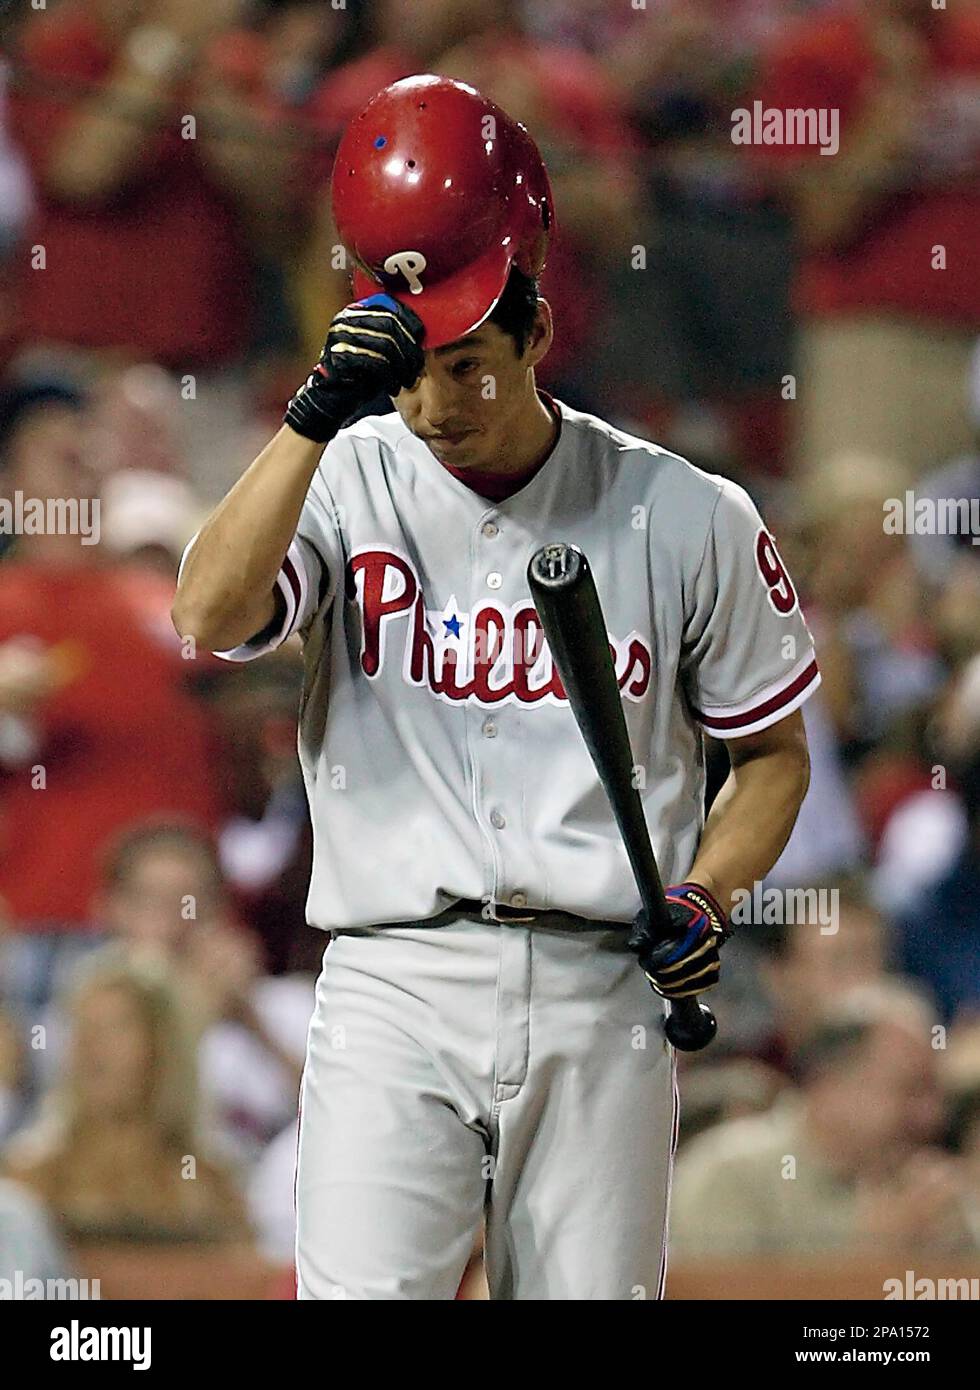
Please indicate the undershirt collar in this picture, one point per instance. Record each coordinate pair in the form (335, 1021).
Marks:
(497, 487)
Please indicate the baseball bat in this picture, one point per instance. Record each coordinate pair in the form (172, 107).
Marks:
(568, 606)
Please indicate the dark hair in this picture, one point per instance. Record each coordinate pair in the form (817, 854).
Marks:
(19, 399)
(516, 309)
(126, 850)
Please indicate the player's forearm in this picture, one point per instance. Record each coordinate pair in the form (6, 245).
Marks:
(227, 585)
(750, 821)
(226, 593)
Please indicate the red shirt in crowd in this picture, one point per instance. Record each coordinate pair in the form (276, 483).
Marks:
(160, 267)
(120, 741)
(829, 62)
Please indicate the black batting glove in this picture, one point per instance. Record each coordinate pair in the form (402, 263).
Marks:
(373, 348)
(689, 962)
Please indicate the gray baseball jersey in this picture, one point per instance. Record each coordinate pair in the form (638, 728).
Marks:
(454, 1057)
(440, 756)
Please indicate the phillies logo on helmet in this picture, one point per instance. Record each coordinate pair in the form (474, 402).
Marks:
(494, 653)
(410, 264)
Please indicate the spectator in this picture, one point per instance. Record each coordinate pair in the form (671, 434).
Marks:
(265, 842)
(888, 290)
(928, 832)
(939, 929)
(136, 417)
(118, 1152)
(703, 331)
(293, 44)
(958, 481)
(147, 520)
(164, 903)
(850, 1163)
(807, 966)
(827, 839)
(877, 652)
(147, 233)
(96, 726)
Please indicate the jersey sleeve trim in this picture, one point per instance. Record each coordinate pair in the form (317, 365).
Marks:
(294, 584)
(765, 708)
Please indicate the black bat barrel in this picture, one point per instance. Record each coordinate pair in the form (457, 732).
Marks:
(568, 606)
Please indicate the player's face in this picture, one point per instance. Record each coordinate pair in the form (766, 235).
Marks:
(471, 401)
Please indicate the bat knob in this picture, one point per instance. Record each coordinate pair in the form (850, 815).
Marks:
(690, 1025)
(557, 565)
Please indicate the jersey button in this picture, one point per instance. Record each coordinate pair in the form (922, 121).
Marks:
(494, 579)
(497, 820)
(490, 530)
(489, 729)
(518, 900)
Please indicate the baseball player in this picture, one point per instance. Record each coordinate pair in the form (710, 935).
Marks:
(485, 1041)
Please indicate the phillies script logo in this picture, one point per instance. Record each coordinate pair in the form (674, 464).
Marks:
(493, 654)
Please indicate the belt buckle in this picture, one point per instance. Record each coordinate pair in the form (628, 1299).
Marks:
(489, 904)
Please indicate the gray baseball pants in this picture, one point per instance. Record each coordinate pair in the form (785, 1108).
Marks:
(477, 1069)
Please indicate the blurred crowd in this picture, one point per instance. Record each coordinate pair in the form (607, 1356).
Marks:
(806, 323)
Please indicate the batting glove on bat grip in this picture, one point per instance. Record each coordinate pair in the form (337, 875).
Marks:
(689, 962)
(373, 348)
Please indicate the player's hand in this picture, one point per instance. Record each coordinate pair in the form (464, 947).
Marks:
(373, 348)
(689, 962)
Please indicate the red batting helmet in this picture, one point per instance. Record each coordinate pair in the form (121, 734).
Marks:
(437, 192)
